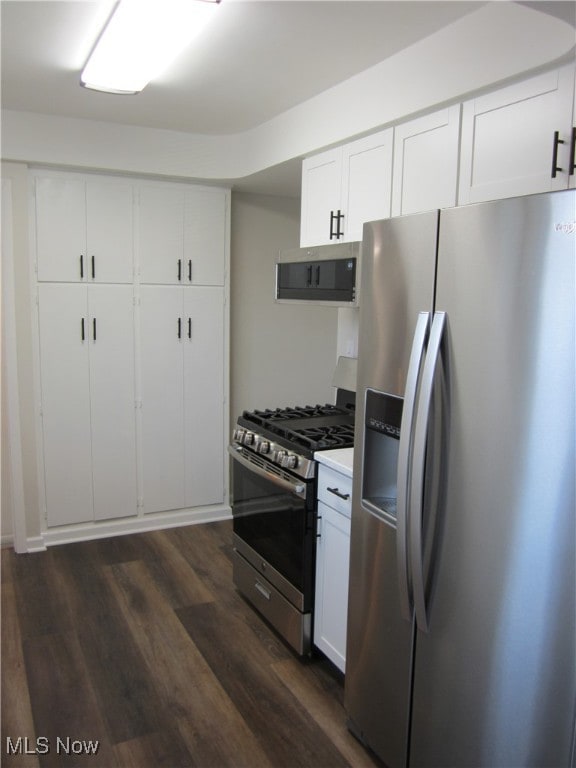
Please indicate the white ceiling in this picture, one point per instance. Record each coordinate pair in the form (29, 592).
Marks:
(258, 58)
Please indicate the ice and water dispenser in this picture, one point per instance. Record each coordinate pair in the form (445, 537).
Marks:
(381, 440)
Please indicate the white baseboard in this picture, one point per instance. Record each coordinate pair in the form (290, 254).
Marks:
(154, 522)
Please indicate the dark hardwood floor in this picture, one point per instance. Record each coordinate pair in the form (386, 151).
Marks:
(142, 644)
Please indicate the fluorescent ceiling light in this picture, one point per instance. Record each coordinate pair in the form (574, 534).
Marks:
(140, 40)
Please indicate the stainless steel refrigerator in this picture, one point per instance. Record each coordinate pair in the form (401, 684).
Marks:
(461, 646)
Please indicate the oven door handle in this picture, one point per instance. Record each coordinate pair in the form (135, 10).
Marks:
(299, 489)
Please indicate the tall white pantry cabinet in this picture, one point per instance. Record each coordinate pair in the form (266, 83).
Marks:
(132, 342)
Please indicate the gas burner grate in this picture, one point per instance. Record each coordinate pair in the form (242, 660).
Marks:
(322, 438)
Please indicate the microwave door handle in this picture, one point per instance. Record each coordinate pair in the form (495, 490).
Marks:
(416, 506)
(404, 455)
(299, 489)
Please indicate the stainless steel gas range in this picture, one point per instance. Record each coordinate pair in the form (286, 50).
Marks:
(274, 508)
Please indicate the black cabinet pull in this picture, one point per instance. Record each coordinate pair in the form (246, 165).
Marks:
(189, 327)
(81, 266)
(340, 220)
(93, 267)
(82, 330)
(190, 270)
(572, 161)
(94, 328)
(338, 493)
(332, 219)
(179, 327)
(557, 141)
(180, 270)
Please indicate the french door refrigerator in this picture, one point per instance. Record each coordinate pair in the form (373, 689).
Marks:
(461, 631)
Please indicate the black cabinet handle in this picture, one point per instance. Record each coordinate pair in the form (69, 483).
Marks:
(179, 327)
(338, 493)
(81, 266)
(332, 219)
(318, 535)
(572, 163)
(82, 330)
(180, 270)
(189, 327)
(94, 328)
(338, 218)
(557, 141)
(190, 270)
(93, 267)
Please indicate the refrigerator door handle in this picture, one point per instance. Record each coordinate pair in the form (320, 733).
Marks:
(416, 500)
(404, 454)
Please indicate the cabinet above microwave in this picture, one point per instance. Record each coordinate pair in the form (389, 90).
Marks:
(318, 275)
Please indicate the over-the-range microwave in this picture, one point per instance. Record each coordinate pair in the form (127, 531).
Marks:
(326, 273)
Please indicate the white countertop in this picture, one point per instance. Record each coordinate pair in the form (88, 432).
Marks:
(340, 459)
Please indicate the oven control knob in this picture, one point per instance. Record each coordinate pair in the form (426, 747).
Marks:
(291, 461)
(248, 438)
(264, 446)
(279, 455)
(238, 434)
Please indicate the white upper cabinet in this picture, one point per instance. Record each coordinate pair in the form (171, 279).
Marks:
(344, 187)
(516, 141)
(84, 229)
(426, 162)
(182, 234)
(572, 156)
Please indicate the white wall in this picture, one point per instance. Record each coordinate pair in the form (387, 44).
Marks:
(281, 354)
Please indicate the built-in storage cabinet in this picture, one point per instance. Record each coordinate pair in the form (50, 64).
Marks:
(84, 229)
(132, 369)
(344, 187)
(332, 563)
(426, 162)
(182, 235)
(88, 407)
(182, 384)
(518, 140)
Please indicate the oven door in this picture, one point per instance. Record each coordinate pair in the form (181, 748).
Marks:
(273, 520)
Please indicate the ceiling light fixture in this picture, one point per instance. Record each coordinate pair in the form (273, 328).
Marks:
(140, 40)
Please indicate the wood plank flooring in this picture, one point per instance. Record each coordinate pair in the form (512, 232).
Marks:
(142, 644)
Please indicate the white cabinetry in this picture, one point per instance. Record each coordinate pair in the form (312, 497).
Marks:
(426, 162)
(344, 187)
(88, 417)
(84, 229)
(182, 385)
(182, 234)
(508, 143)
(332, 562)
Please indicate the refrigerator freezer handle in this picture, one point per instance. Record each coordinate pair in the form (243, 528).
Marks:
(404, 453)
(416, 501)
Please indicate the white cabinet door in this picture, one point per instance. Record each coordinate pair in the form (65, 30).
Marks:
(204, 395)
(508, 138)
(84, 230)
(321, 187)
(366, 182)
(110, 232)
(87, 390)
(182, 235)
(65, 392)
(61, 229)
(205, 235)
(331, 600)
(111, 341)
(162, 334)
(344, 187)
(161, 234)
(572, 156)
(426, 162)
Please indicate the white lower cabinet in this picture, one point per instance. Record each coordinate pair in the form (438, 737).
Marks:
(87, 401)
(332, 563)
(182, 386)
